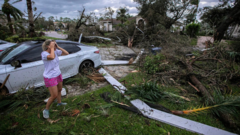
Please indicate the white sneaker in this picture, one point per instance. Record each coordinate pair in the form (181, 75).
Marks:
(45, 114)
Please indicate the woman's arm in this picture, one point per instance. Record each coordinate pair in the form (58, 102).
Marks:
(64, 52)
(51, 56)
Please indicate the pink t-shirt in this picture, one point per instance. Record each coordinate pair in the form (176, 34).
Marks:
(51, 66)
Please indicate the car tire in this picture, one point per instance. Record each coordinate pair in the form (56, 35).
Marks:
(86, 66)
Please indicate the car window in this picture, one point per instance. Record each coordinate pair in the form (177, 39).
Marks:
(71, 48)
(11, 52)
(31, 55)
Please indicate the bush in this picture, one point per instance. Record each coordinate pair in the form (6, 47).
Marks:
(4, 32)
(192, 29)
(152, 63)
(16, 38)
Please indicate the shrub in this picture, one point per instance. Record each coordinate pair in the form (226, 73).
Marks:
(192, 29)
(152, 63)
(16, 38)
(4, 32)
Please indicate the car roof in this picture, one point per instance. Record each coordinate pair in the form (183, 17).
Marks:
(39, 42)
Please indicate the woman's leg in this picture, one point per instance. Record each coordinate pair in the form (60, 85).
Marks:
(54, 94)
(59, 87)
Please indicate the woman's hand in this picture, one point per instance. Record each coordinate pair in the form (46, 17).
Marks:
(56, 45)
(52, 45)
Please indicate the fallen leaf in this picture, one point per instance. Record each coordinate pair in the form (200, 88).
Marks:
(26, 106)
(14, 125)
(38, 115)
(75, 112)
(135, 71)
(54, 110)
(53, 121)
(74, 99)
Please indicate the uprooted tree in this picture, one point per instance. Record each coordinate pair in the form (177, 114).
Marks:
(85, 24)
(166, 12)
(222, 16)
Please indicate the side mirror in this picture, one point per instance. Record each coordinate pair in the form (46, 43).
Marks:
(16, 64)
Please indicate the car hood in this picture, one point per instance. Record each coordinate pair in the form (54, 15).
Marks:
(4, 46)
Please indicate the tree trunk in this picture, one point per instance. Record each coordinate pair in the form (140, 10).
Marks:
(230, 18)
(30, 19)
(10, 25)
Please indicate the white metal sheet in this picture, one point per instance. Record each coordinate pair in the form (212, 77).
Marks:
(177, 121)
(114, 62)
(138, 57)
(117, 85)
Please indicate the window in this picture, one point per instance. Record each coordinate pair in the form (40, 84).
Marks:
(13, 51)
(31, 55)
(71, 48)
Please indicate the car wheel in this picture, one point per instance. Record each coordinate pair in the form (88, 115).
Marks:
(86, 66)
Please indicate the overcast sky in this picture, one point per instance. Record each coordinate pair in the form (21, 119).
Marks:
(70, 8)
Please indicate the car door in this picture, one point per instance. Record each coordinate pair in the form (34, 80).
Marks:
(31, 72)
(69, 64)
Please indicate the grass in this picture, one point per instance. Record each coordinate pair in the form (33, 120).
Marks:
(98, 45)
(120, 121)
(193, 41)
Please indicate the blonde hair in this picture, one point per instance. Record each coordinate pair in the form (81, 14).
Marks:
(46, 44)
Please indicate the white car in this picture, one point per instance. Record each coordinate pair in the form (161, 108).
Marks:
(23, 63)
(4, 45)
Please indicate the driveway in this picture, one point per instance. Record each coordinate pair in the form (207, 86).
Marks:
(55, 34)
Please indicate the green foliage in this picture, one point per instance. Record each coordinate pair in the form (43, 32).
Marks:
(82, 80)
(22, 97)
(192, 29)
(193, 41)
(4, 32)
(148, 92)
(16, 38)
(152, 63)
(226, 104)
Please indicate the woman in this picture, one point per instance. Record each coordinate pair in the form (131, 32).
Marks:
(52, 74)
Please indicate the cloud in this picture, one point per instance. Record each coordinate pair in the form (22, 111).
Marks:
(70, 8)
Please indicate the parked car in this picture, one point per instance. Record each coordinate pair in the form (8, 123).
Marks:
(5, 44)
(23, 63)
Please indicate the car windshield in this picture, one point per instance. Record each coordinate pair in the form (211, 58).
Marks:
(12, 51)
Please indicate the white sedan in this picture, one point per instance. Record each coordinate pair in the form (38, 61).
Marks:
(23, 63)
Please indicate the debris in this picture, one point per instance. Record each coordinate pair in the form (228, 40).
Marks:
(119, 103)
(53, 121)
(74, 99)
(130, 61)
(38, 115)
(183, 90)
(176, 120)
(26, 106)
(14, 125)
(134, 71)
(75, 112)
(96, 77)
(114, 62)
(194, 87)
(86, 105)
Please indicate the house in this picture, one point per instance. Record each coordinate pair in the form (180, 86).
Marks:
(106, 25)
